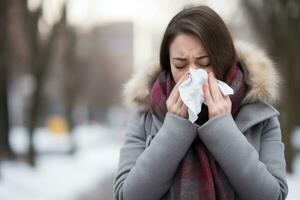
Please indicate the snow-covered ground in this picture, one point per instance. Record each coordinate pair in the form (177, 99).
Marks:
(294, 181)
(60, 176)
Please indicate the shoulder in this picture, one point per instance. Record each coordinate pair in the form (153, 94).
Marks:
(139, 122)
(254, 113)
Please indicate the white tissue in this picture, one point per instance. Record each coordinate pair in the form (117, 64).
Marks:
(192, 94)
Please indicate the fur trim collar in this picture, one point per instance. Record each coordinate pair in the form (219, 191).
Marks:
(263, 79)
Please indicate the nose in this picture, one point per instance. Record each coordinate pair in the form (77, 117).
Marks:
(193, 66)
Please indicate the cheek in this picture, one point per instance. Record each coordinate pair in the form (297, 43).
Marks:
(177, 74)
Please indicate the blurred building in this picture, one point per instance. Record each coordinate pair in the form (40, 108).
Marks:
(104, 62)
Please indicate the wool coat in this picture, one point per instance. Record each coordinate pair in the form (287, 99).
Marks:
(248, 148)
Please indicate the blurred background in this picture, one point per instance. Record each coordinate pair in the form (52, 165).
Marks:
(63, 64)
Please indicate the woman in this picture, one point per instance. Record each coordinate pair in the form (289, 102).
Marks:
(233, 150)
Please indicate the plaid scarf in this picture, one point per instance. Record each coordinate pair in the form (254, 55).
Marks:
(197, 176)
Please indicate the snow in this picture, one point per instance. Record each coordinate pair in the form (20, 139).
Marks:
(84, 136)
(294, 181)
(62, 176)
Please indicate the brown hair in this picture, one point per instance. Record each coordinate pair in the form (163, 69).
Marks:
(210, 29)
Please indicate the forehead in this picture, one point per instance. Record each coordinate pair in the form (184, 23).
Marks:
(184, 44)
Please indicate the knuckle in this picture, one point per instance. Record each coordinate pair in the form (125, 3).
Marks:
(213, 111)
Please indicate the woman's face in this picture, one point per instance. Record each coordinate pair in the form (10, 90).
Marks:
(186, 51)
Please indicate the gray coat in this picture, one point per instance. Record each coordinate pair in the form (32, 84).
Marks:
(249, 148)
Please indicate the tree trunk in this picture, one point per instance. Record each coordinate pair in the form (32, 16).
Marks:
(5, 150)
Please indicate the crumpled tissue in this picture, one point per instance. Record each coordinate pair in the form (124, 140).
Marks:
(192, 94)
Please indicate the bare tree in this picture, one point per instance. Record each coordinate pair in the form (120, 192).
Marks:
(5, 149)
(72, 75)
(41, 54)
(277, 23)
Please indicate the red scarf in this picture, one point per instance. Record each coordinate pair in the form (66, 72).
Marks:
(197, 176)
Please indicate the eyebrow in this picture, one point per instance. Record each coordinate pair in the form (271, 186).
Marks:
(177, 58)
(198, 57)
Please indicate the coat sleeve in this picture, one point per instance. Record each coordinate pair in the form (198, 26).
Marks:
(149, 171)
(254, 175)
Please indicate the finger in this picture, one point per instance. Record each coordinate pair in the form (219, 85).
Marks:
(179, 82)
(179, 101)
(184, 110)
(207, 95)
(214, 88)
(227, 99)
(183, 107)
(175, 95)
(171, 99)
(182, 78)
(175, 91)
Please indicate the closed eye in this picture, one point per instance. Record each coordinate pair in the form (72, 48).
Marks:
(180, 62)
(203, 61)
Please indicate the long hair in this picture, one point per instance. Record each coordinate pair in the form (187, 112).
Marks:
(210, 29)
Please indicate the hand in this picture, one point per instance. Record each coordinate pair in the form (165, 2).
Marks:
(216, 102)
(174, 103)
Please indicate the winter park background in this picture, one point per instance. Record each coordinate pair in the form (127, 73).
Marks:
(62, 67)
